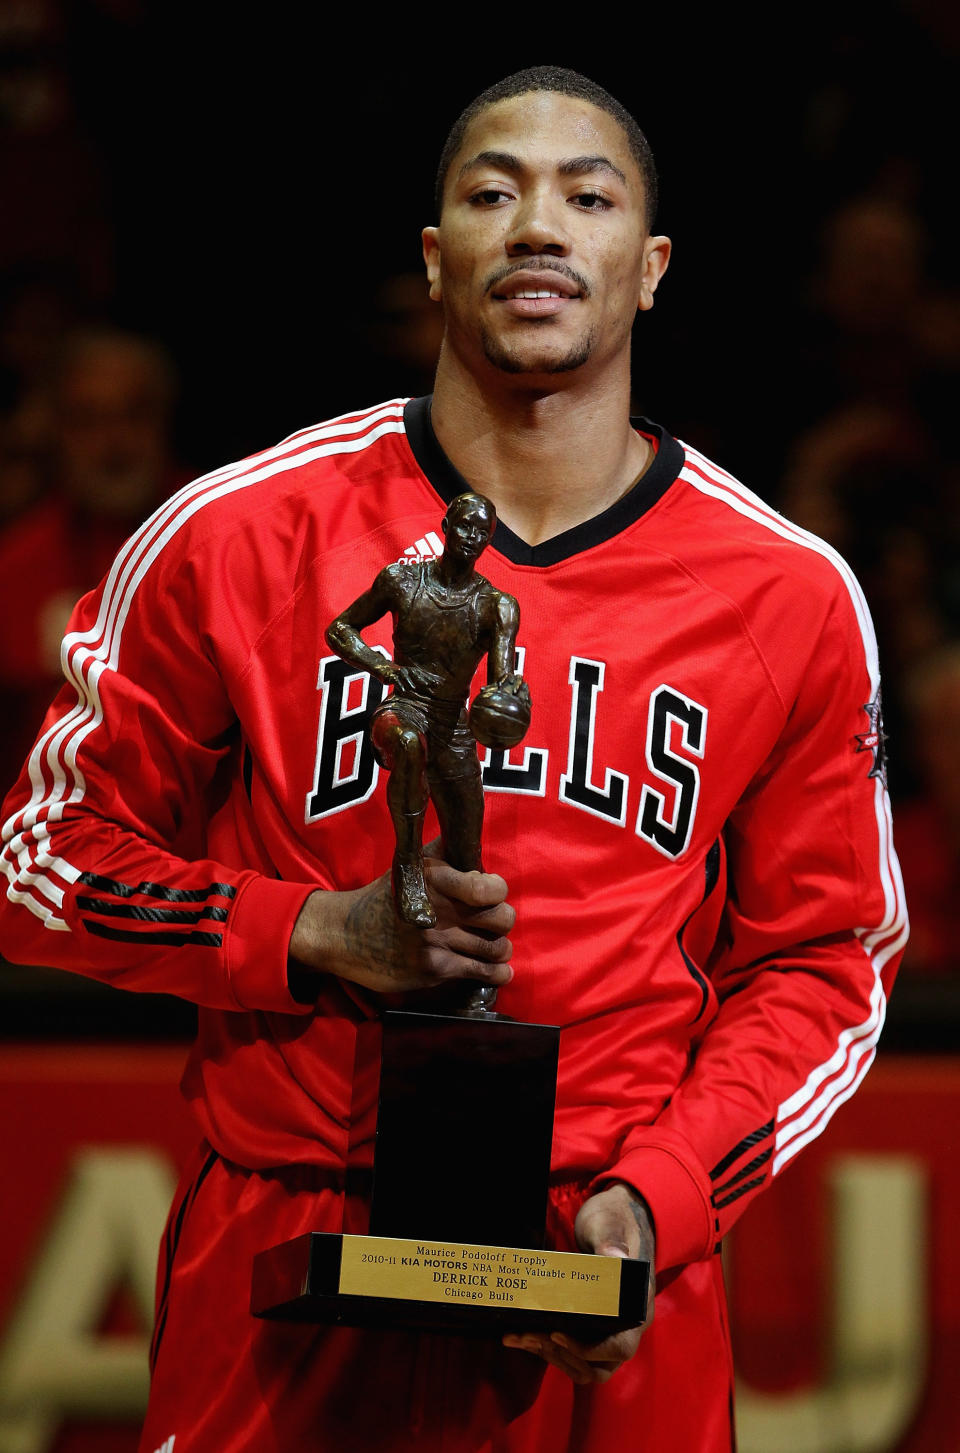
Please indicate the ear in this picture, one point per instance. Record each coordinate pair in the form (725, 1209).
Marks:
(656, 257)
(443, 524)
(431, 256)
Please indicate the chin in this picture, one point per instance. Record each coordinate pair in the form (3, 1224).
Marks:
(519, 359)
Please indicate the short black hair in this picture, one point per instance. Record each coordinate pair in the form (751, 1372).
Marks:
(565, 83)
(465, 500)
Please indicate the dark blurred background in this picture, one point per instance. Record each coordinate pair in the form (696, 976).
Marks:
(210, 238)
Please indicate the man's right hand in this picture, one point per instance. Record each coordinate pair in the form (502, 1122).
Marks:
(357, 935)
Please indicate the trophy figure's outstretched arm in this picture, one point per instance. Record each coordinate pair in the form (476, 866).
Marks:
(343, 636)
(343, 633)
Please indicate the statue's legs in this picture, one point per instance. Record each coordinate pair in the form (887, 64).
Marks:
(459, 804)
(402, 750)
(456, 787)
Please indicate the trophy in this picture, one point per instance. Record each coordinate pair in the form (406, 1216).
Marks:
(452, 1112)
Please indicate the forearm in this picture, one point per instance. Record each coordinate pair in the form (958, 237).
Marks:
(350, 645)
(117, 908)
(323, 940)
(501, 661)
(783, 1053)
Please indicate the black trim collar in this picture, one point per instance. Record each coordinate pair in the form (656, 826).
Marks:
(449, 482)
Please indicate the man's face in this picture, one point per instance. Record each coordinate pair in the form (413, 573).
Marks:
(468, 529)
(542, 257)
(112, 431)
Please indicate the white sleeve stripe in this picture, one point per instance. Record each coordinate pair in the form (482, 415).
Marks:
(115, 604)
(895, 914)
(332, 429)
(393, 407)
(765, 515)
(58, 747)
(750, 506)
(40, 910)
(126, 559)
(28, 878)
(790, 1125)
(899, 919)
(795, 1103)
(801, 1117)
(797, 1145)
(120, 572)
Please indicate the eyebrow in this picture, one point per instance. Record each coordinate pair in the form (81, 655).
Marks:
(572, 166)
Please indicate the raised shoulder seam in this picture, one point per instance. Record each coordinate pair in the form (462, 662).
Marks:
(736, 609)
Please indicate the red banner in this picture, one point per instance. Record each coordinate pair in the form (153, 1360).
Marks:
(844, 1277)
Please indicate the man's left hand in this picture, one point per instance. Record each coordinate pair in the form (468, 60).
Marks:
(614, 1222)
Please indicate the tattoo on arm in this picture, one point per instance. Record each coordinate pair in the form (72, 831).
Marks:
(370, 929)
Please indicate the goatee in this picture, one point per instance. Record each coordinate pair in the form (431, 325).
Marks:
(508, 361)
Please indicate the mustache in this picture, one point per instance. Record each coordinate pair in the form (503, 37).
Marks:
(538, 264)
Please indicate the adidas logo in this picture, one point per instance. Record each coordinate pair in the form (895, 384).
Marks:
(430, 547)
(167, 1445)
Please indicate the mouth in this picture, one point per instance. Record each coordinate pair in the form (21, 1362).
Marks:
(537, 292)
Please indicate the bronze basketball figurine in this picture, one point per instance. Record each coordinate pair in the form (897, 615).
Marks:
(446, 618)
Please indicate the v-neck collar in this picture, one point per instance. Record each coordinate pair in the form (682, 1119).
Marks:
(447, 480)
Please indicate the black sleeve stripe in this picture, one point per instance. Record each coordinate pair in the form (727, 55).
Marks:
(157, 890)
(148, 939)
(748, 1169)
(151, 915)
(745, 1144)
(741, 1191)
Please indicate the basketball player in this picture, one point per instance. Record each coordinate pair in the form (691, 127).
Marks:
(696, 832)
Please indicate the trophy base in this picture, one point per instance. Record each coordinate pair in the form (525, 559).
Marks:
(381, 1281)
(447, 1112)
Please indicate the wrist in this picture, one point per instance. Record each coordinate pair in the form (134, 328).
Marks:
(303, 979)
(639, 1207)
(313, 948)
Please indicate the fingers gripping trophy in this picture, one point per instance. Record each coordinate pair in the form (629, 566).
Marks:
(446, 618)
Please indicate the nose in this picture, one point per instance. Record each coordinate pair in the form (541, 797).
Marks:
(538, 226)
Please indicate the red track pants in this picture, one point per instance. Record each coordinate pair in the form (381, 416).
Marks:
(227, 1382)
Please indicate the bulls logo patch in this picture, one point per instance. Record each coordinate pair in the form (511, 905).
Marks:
(875, 739)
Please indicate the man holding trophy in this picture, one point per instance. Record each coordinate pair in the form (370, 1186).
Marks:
(694, 831)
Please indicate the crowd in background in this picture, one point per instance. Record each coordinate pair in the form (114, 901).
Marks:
(831, 392)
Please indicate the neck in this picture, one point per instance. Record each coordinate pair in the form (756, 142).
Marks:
(455, 574)
(547, 460)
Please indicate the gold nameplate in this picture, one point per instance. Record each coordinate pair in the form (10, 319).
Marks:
(487, 1276)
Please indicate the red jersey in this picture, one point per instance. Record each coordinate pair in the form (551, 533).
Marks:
(695, 831)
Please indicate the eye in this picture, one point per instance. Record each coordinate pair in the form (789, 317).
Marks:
(592, 201)
(489, 197)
